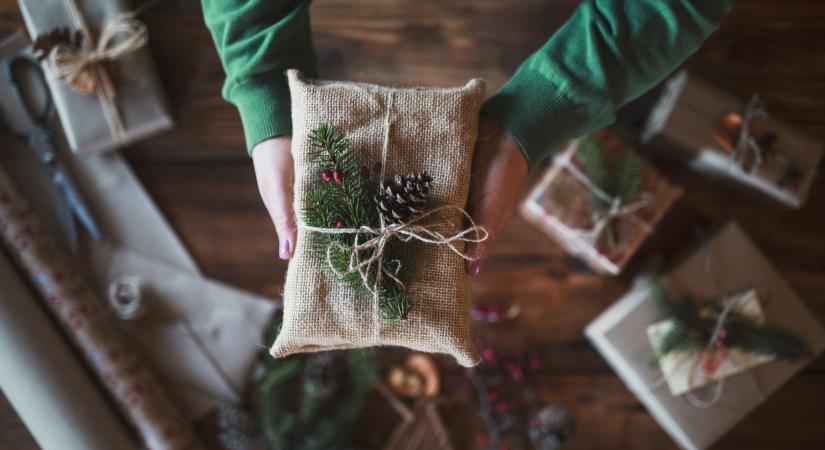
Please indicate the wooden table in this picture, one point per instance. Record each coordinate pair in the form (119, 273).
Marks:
(202, 180)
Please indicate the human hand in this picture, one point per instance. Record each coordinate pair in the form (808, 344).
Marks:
(499, 172)
(275, 173)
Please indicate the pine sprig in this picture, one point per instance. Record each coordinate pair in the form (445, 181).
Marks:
(622, 179)
(299, 408)
(629, 174)
(693, 326)
(596, 168)
(344, 199)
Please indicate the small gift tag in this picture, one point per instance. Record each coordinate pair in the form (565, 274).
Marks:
(687, 370)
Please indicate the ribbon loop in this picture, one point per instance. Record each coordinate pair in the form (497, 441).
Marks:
(118, 37)
(378, 238)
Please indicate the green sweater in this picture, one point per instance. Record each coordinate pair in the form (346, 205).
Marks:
(608, 53)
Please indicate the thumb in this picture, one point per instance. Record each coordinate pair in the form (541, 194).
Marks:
(499, 171)
(275, 174)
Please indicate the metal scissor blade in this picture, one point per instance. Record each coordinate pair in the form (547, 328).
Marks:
(75, 204)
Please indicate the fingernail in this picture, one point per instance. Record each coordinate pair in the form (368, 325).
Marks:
(475, 267)
(283, 251)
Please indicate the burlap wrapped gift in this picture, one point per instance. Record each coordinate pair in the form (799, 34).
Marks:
(406, 130)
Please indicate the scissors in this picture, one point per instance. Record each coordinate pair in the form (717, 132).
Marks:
(40, 140)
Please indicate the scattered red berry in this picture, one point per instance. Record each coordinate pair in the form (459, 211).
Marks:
(515, 371)
(337, 177)
(534, 361)
(365, 171)
(488, 354)
(503, 406)
(339, 224)
(326, 175)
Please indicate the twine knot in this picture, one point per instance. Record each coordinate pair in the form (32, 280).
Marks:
(375, 267)
(119, 36)
(618, 207)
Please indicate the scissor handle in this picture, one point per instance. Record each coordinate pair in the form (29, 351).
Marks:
(12, 64)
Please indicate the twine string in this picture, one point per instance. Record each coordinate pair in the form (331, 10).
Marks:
(718, 387)
(618, 206)
(746, 144)
(119, 36)
(421, 228)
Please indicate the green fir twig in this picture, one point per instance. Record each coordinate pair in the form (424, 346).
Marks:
(693, 326)
(343, 199)
(620, 180)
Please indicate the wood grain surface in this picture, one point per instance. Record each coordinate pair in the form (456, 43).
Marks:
(202, 179)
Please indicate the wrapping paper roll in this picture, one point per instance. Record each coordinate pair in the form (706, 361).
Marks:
(79, 312)
(55, 386)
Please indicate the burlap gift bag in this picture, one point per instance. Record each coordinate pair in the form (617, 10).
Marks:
(403, 130)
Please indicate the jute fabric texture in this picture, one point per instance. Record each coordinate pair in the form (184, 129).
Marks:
(406, 130)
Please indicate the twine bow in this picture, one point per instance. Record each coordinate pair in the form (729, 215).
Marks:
(119, 36)
(122, 35)
(619, 207)
(731, 302)
(734, 134)
(376, 245)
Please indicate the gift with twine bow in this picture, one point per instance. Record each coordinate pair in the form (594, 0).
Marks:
(727, 267)
(332, 302)
(749, 149)
(719, 134)
(600, 201)
(103, 82)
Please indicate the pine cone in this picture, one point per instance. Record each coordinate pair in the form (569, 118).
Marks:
(551, 427)
(45, 42)
(401, 200)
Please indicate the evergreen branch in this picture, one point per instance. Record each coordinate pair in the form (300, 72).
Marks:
(595, 166)
(630, 170)
(345, 199)
(767, 340)
(694, 325)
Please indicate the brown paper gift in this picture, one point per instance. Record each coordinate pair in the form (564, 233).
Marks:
(405, 129)
(562, 205)
(727, 263)
(94, 122)
(726, 137)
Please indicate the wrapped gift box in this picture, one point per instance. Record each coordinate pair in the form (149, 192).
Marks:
(564, 206)
(728, 262)
(702, 125)
(89, 119)
(687, 370)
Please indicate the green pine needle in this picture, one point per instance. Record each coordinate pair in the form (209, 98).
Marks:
(351, 204)
(595, 166)
(630, 170)
(692, 330)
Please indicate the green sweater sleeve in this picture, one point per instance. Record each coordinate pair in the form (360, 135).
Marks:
(608, 53)
(257, 40)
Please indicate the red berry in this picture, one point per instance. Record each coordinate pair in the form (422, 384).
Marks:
(339, 224)
(365, 171)
(326, 175)
(488, 354)
(515, 371)
(503, 406)
(337, 177)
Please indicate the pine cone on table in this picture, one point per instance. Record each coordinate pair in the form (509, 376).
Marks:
(551, 427)
(400, 200)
